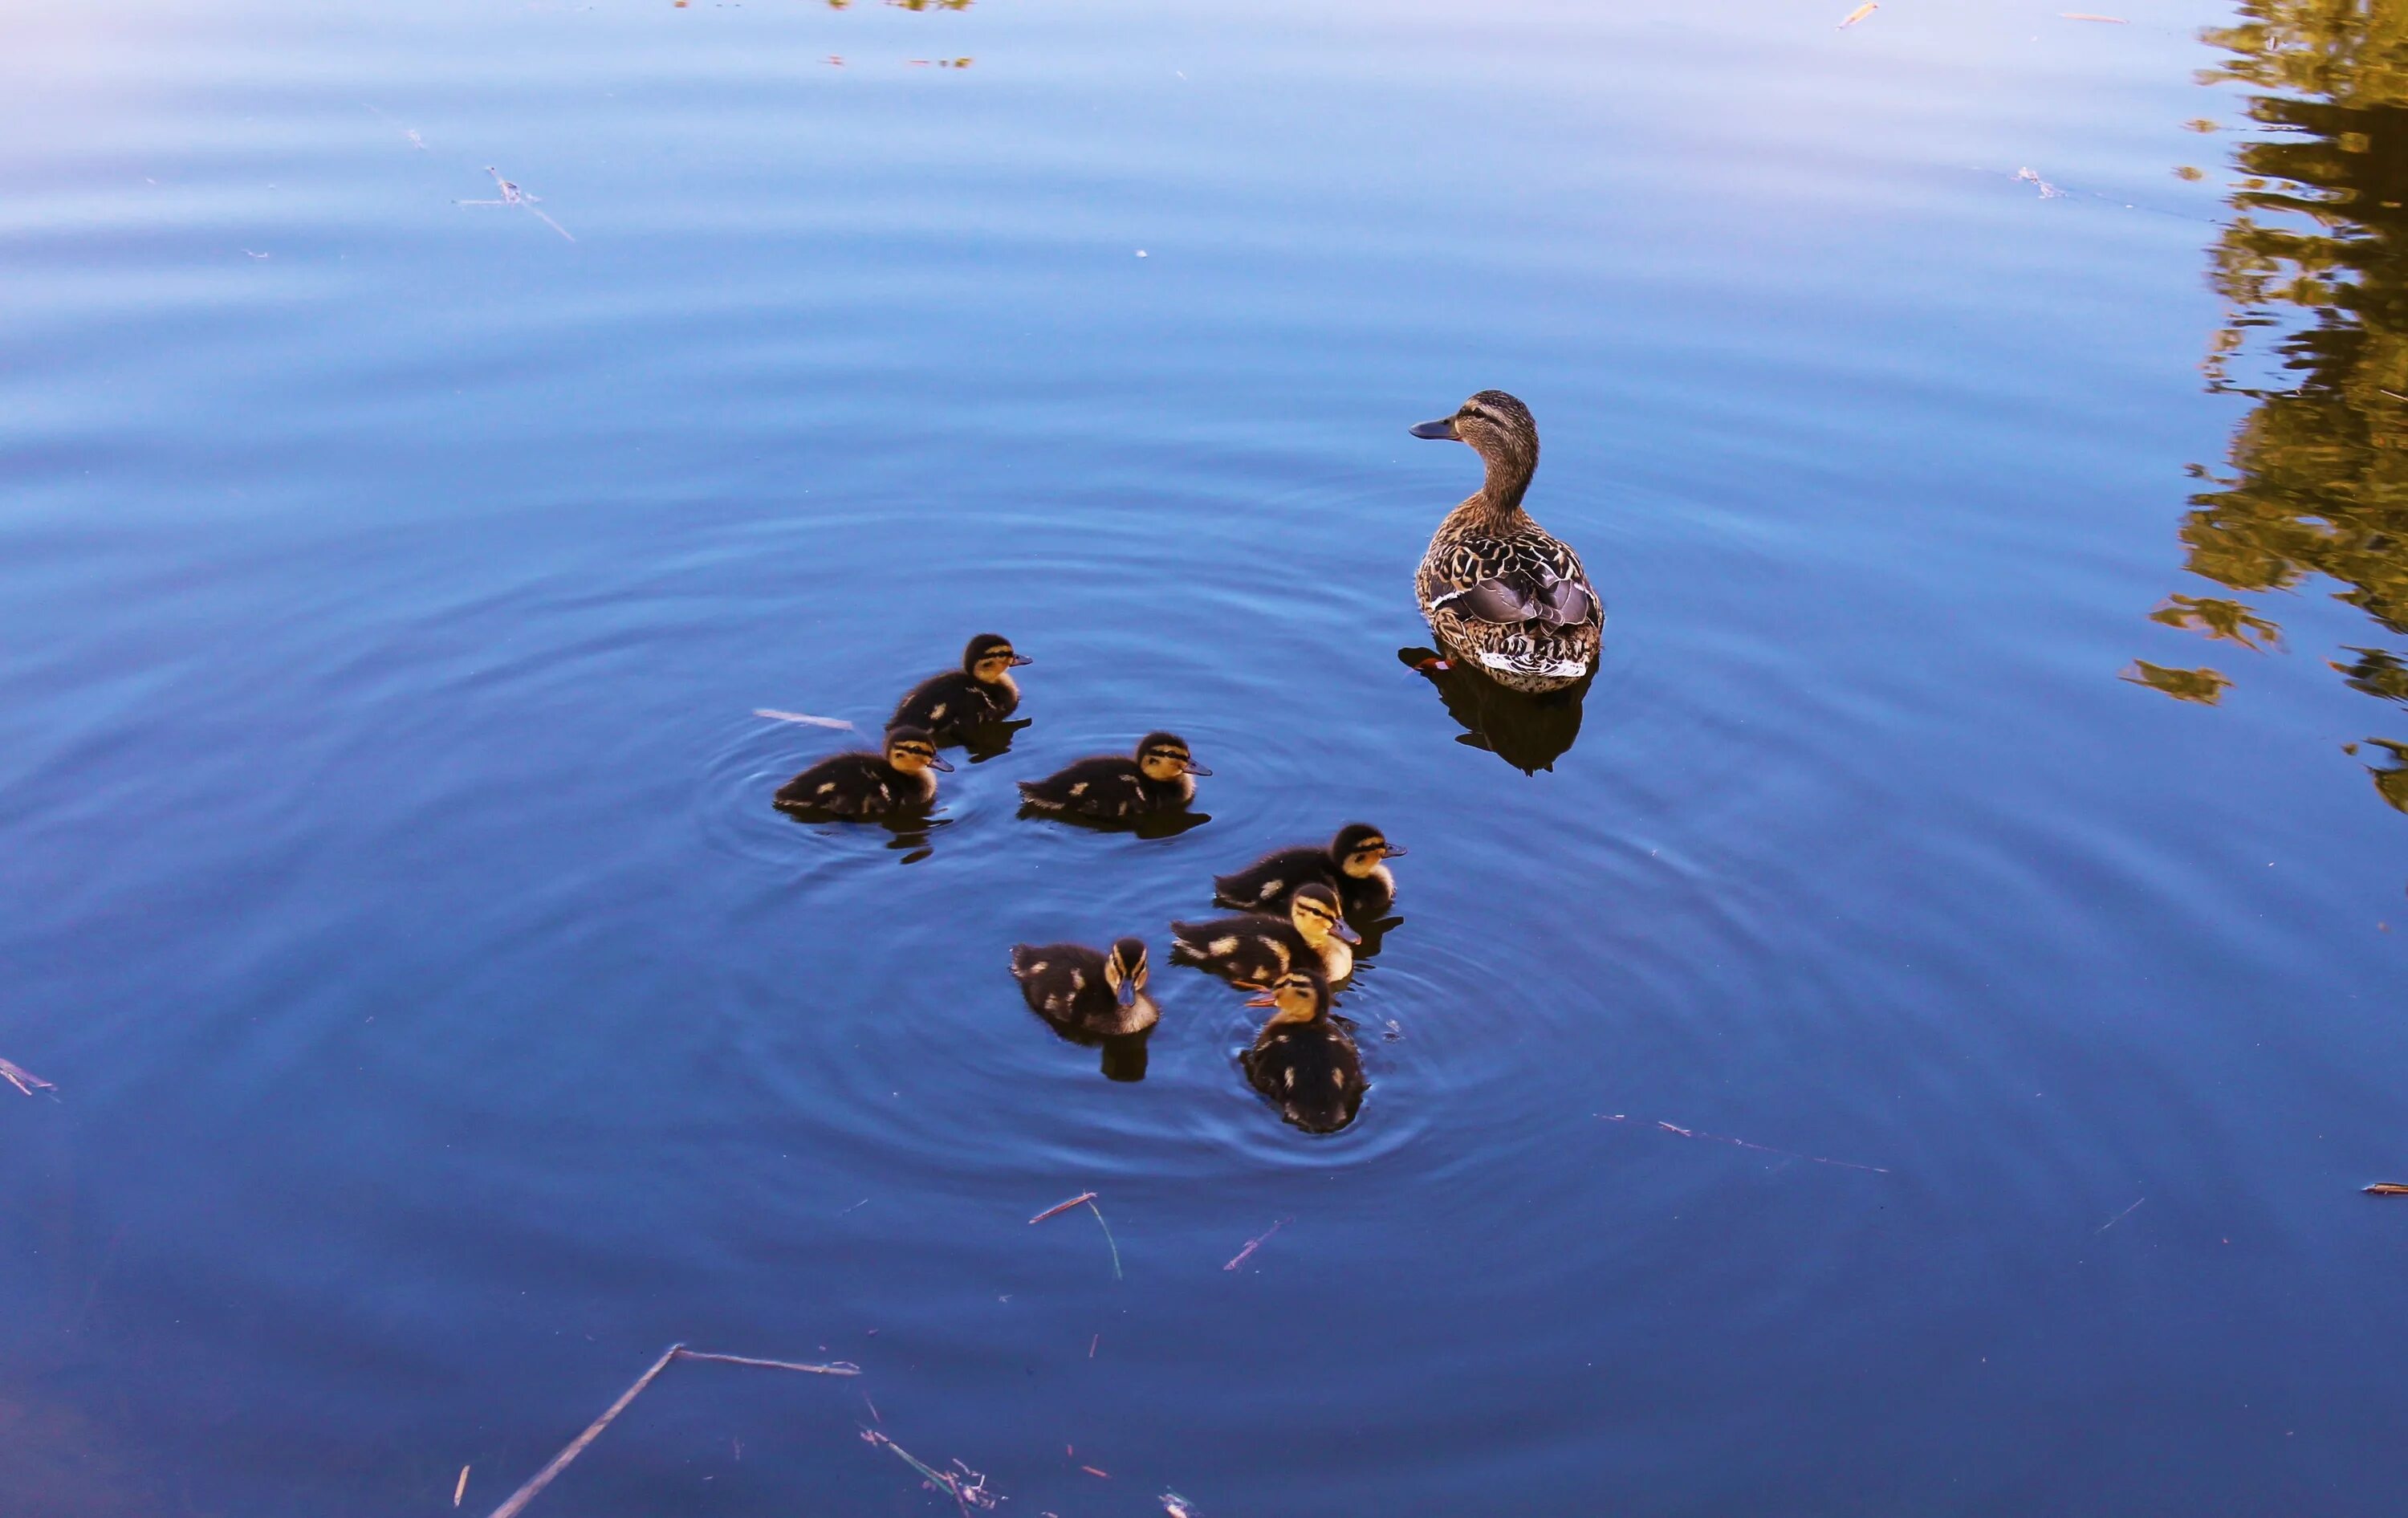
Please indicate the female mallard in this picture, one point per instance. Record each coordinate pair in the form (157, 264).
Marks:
(1157, 778)
(1303, 1059)
(954, 704)
(865, 784)
(1349, 863)
(1255, 949)
(1085, 993)
(1497, 589)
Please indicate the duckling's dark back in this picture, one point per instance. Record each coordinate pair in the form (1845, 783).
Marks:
(1311, 1071)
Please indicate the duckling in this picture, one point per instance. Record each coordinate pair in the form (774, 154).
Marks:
(1083, 992)
(953, 705)
(1257, 948)
(1497, 589)
(1304, 1059)
(1159, 777)
(1350, 863)
(865, 784)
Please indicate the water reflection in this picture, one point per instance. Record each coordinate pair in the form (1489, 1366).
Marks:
(1529, 732)
(2315, 266)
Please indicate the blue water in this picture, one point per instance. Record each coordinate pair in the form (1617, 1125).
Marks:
(443, 1022)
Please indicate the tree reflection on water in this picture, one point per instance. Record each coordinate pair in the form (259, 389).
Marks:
(2314, 264)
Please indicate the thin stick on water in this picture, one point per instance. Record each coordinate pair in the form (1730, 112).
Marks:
(1060, 1208)
(462, 1490)
(803, 717)
(23, 1079)
(1761, 1149)
(2116, 1219)
(525, 1495)
(968, 1489)
(513, 195)
(1255, 1243)
(1108, 1237)
(2387, 1188)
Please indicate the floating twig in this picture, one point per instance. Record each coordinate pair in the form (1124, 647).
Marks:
(968, 1489)
(2116, 1219)
(2387, 1188)
(525, 1495)
(2086, 16)
(1255, 1243)
(803, 717)
(1763, 1149)
(462, 1490)
(513, 195)
(1856, 15)
(1060, 1208)
(1093, 1472)
(1177, 1506)
(23, 1079)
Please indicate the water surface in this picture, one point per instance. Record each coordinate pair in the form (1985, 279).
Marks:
(444, 1022)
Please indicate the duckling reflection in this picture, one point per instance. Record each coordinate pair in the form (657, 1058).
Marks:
(1502, 594)
(1256, 949)
(1157, 781)
(861, 784)
(970, 706)
(1349, 863)
(1304, 1060)
(1529, 732)
(1092, 998)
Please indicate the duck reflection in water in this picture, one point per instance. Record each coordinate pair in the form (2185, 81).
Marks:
(1304, 1060)
(1529, 732)
(1092, 998)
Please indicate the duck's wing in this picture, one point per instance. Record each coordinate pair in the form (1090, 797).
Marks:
(1107, 786)
(830, 782)
(1266, 882)
(1526, 577)
(936, 702)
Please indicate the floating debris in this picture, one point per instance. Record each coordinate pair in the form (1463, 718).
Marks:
(2086, 16)
(1060, 1208)
(1856, 15)
(1177, 1507)
(462, 1489)
(513, 195)
(1255, 1243)
(803, 717)
(525, 1495)
(23, 1079)
(2387, 1188)
(2047, 190)
(966, 1487)
(1087, 1200)
(1762, 1149)
(2116, 1219)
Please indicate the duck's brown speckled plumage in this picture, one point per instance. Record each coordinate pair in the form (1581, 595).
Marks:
(1501, 593)
(1304, 1060)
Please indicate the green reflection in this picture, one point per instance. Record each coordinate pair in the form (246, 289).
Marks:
(2314, 264)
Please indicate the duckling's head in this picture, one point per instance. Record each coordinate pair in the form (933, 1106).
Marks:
(1125, 971)
(1498, 428)
(911, 749)
(1164, 757)
(1315, 912)
(1299, 997)
(1359, 847)
(989, 656)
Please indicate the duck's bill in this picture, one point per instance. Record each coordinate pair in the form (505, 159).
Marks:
(1265, 999)
(937, 761)
(1193, 768)
(1019, 659)
(1346, 933)
(1389, 851)
(1128, 993)
(1442, 428)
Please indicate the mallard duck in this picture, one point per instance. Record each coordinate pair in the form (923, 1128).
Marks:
(1498, 590)
(1255, 949)
(1159, 777)
(865, 784)
(1085, 993)
(953, 705)
(1350, 863)
(1303, 1060)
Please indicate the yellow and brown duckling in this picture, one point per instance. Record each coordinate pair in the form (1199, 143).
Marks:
(1303, 1060)
(865, 784)
(1257, 948)
(1085, 993)
(1159, 777)
(951, 706)
(1498, 589)
(1350, 863)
